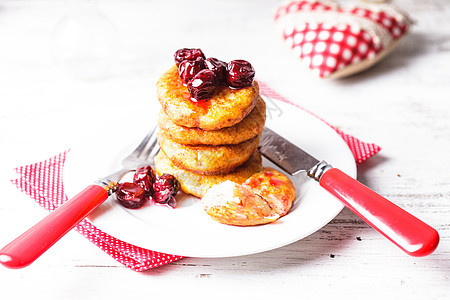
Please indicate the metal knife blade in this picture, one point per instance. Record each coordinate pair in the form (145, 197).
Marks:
(285, 154)
(410, 234)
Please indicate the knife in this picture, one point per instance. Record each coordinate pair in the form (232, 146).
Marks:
(409, 233)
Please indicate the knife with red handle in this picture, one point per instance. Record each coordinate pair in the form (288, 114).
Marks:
(406, 231)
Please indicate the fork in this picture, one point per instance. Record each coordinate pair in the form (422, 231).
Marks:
(26, 248)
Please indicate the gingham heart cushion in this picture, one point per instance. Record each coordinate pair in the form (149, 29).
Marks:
(336, 41)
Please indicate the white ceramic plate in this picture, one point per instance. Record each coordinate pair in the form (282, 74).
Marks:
(187, 230)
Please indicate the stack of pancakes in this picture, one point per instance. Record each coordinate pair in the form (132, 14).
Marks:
(210, 141)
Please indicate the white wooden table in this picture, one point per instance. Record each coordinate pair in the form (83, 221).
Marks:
(402, 104)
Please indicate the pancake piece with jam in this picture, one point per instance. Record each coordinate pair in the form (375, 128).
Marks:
(226, 107)
(261, 199)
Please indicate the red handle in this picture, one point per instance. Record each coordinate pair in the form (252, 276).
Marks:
(35, 241)
(406, 231)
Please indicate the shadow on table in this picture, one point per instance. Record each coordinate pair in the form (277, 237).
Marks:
(365, 168)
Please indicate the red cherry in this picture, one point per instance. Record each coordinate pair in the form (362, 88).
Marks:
(188, 68)
(166, 187)
(167, 182)
(187, 54)
(130, 195)
(219, 68)
(202, 85)
(145, 176)
(240, 73)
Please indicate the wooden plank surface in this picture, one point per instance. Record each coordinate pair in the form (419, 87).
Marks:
(402, 104)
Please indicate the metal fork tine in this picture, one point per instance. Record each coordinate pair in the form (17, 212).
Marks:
(150, 149)
(138, 151)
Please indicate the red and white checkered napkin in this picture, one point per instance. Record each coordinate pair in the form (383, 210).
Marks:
(43, 181)
(360, 150)
(336, 42)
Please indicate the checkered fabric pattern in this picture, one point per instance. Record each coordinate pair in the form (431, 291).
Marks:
(360, 150)
(43, 182)
(328, 38)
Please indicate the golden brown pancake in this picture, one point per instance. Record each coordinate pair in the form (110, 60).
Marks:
(261, 199)
(207, 159)
(234, 204)
(275, 187)
(225, 108)
(251, 126)
(196, 184)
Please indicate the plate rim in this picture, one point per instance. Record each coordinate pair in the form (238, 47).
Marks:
(339, 207)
